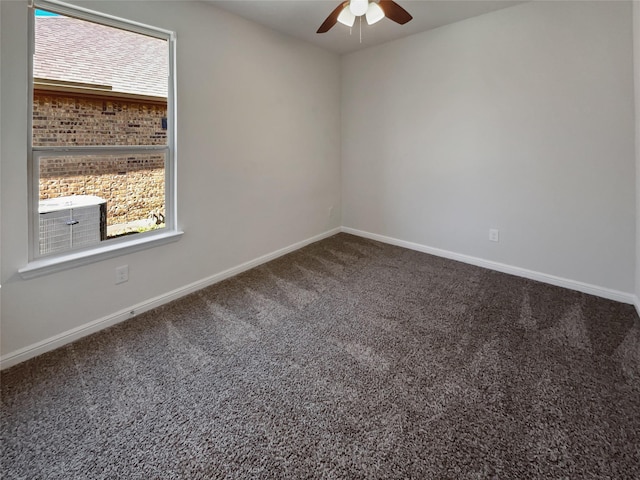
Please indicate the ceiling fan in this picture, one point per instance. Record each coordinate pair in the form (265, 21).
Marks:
(347, 12)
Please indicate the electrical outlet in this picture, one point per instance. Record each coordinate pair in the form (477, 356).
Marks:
(494, 234)
(122, 274)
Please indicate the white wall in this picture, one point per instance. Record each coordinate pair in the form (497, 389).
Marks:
(520, 120)
(258, 164)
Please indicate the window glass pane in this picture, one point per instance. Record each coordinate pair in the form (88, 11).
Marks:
(98, 197)
(97, 85)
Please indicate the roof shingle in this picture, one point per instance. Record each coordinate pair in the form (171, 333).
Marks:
(74, 50)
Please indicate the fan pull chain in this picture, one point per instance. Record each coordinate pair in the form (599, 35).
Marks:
(360, 17)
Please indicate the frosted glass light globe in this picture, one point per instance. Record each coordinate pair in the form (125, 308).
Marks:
(346, 17)
(358, 7)
(374, 13)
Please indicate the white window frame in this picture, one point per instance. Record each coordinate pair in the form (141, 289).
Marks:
(41, 265)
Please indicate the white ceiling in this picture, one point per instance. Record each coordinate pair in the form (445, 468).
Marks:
(301, 19)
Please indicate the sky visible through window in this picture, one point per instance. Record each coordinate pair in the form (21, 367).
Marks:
(44, 13)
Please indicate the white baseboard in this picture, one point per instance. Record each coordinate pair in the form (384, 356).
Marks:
(504, 268)
(31, 351)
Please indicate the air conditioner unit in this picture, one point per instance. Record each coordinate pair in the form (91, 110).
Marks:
(72, 222)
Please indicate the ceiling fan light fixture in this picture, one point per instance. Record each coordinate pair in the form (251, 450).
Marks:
(346, 17)
(375, 10)
(358, 7)
(374, 13)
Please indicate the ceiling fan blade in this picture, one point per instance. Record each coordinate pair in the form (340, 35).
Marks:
(395, 12)
(331, 20)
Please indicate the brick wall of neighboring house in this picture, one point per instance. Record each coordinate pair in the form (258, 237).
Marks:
(132, 185)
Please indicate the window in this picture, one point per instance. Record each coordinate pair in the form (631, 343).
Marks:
(101, 137)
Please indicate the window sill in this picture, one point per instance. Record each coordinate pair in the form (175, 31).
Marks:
(45, 266)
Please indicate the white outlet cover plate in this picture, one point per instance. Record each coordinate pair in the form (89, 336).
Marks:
(122, 274)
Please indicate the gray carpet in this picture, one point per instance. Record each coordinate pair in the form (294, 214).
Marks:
(348, 359)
